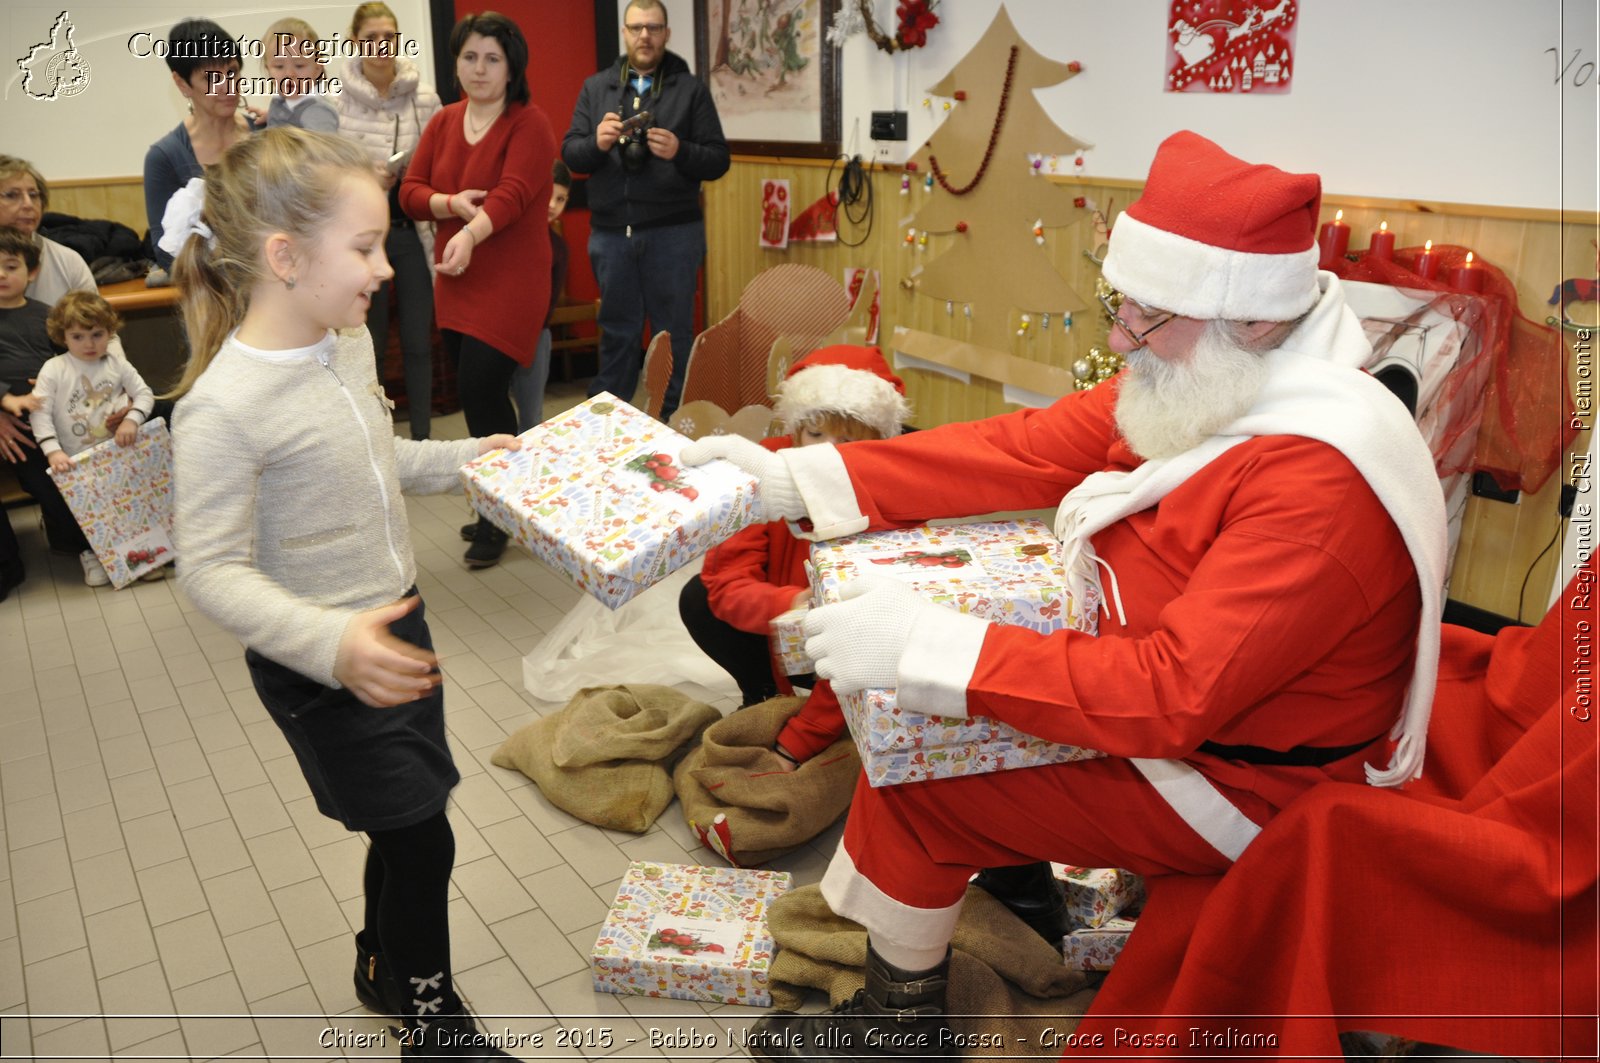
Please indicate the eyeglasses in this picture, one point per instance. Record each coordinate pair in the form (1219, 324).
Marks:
(652, 28)
(13, 196)
(1114, 309)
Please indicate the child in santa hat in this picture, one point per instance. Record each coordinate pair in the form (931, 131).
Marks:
(833, 395)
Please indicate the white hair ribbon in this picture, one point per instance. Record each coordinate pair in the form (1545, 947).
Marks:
(181, 219)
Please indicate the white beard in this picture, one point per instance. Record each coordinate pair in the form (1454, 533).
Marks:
(1166, 408)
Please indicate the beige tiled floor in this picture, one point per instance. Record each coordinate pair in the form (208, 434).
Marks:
(169, 890)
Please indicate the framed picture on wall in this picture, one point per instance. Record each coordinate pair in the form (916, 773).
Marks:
(772, 74)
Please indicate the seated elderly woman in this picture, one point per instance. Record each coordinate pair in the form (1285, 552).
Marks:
(24, 195)
(197, 48)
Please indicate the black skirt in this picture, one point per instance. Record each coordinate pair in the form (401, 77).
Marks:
(370, 769)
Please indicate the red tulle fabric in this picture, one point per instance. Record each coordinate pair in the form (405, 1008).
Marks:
(1527, 412)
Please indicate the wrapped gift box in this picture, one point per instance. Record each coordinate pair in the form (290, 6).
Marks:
(1008, 572)
(122, 497)
(600, 494)
(1096, 895)
(690, 933)
(1097, 948)
(789, 643)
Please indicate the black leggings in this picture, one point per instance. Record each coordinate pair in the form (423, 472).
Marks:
(483, 382)
(745, 656)
(407, 913)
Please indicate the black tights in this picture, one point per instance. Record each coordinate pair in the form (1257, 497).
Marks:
(483, 383)
(407, 914)
(746, 656)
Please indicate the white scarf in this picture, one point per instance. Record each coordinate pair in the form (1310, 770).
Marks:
(1314, 388)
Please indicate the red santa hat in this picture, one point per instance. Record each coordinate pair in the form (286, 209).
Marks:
(848, 380)
(1212, 236)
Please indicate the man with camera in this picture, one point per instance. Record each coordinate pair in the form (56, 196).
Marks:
(646, 133)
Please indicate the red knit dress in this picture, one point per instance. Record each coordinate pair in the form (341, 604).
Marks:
(502, 297)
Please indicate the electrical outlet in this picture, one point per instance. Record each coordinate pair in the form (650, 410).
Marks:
(1484, 486)
(888, 125)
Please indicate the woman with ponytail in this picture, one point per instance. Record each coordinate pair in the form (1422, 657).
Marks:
(288, 479)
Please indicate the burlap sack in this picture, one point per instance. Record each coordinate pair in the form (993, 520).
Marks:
(1006, 983)
(738, 798)
(605, 757)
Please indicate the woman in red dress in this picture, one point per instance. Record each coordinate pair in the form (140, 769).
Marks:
(482, 173)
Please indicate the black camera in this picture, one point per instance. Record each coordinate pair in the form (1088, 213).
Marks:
(635, 151)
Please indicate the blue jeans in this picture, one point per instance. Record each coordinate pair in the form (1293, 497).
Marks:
(652, 273)
(527, 386)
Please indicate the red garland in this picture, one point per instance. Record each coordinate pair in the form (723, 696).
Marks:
(994, 137)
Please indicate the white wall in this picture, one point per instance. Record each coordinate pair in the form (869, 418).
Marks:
(131, 102)
(1450, 100)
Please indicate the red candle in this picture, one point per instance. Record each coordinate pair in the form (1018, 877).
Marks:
(1468, 277)
(1382, 245)
(1427, 264)
(1334, 241)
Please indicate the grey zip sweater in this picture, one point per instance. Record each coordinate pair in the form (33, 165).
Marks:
(288, 478)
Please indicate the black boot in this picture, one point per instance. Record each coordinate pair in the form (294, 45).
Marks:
(451, 1037)
(469, 530)
(375, 986)
(895, 1015)
(488, 543)
(1033, 895)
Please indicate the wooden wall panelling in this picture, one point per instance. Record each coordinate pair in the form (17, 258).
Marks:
(118, 198)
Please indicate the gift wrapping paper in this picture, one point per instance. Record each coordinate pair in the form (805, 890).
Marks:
(1095, 895)
(122, 498)
(1096, 949)
(601, 494)
(689, 933)
(789, 642)
(1008, 572)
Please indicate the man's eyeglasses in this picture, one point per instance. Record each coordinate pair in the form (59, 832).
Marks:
(639, 30)
(13, 196)
(1113, 307)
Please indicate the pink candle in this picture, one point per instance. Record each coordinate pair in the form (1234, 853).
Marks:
(1427, 263)
(1468, 277)
(1334, 241)
(1382, 245)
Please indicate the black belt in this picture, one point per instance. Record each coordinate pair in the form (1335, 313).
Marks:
(400, 221)
(1296, 757)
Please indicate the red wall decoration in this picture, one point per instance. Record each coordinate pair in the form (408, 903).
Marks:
(1231, 45)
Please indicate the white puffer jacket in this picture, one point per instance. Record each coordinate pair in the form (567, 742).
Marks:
(384, 125)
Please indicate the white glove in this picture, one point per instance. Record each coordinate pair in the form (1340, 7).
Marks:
(857, 642)
(780, 497)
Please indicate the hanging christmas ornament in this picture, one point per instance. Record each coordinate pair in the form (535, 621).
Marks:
(905, 184)
(968, 311)
(947, 105)
(1044, 322)
(1077, 161)
(927, 183)
(1074, 67)
(1025, 324)
(1066, 320)
(1080, 369)
(927, 101)
(1054, 163)
(949, 308)
(922, 239)
(911, 236)
(1080, 202)
(961, 95)
(1038, 231)
(1036, 165)
(911, 164)
(961, 226)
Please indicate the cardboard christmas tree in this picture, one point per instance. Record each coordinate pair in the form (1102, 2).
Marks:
(991, 205)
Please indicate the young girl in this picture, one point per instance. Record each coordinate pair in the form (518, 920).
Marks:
(294, 536)
(832, 395)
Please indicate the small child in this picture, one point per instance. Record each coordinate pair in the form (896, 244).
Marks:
(832, 395)
(76, 392)
(295, 66)
(25, 348)
(289, 517)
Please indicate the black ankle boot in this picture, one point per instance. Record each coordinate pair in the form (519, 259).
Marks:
(451, 1037)
(895, 1015)
(375, 986)
(488, 543)
(1032, 894)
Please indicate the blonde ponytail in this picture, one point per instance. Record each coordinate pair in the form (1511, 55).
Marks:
(284, 180)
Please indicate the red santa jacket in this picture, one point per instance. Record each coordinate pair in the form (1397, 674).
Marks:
(755, 575)
(1271, 604)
